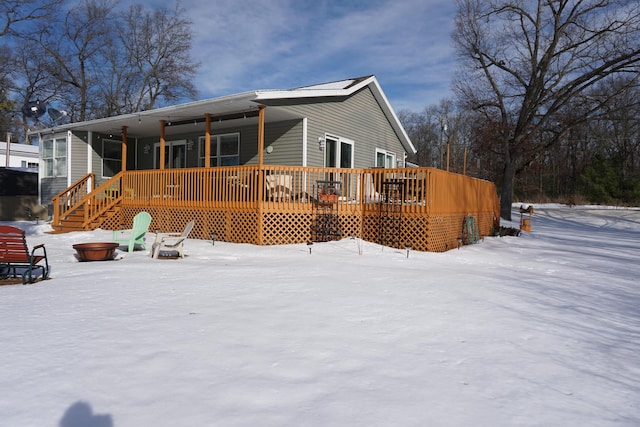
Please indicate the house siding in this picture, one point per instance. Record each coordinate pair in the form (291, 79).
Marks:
(77, 156)
(285, 138)
(359, 118)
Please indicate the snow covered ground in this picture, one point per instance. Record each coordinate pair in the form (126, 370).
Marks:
(537, 330)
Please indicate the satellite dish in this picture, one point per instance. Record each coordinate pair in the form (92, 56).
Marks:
(34, 109)
(57, 115)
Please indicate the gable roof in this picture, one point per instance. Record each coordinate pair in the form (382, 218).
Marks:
(238, 107)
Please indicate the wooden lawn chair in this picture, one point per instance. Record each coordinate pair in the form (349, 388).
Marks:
(171, 242)
(135, 235)
(370, 193)
(278, 188)
(14, 255)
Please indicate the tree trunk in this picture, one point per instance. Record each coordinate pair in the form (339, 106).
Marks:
(506, 194)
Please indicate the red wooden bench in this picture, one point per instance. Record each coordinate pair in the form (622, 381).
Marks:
(15, 256)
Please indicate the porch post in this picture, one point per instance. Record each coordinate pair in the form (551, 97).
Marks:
(447, 157)
(261, 135)
(464, 163)
(124, 149)
(207, 143)
(161, 160)
(261, 173)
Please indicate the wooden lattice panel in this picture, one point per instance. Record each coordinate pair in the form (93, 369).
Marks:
(370, 227)
(350, 225)
(285, 228)
(242, 227)
(435, 233)
(444, 231)
(113, 222)
(415, 232)
(216, 224)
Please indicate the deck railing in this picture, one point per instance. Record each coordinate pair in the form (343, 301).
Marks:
(277, 204)
(275, 187)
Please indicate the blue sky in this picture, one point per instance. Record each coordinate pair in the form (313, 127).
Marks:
(280, 44)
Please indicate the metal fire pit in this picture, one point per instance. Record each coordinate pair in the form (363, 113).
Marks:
(97, 251)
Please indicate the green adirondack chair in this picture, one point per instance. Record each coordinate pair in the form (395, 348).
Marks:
(135, 235)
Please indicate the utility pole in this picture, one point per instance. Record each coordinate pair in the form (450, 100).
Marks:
(8, 150)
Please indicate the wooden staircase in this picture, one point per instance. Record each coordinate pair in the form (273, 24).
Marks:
(74, 220)
(82, 207)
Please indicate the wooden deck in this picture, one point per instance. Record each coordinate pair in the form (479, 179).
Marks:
(279, 204)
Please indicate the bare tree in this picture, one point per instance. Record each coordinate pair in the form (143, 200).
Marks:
(7, 105)
(423, 132)
(76, 53)
(157, 45)
(36, 82)
(523, 61)
(20, 11)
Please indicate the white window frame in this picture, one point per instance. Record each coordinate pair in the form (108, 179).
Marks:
(217, 158)
(55, 165)
(339, 142)
(169, 160)
(389, 158)
(29, 165)
(104, 157)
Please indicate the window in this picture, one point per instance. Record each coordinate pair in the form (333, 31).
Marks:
(385, 159)
(111, 157)
(225, 150)
(175, 154)
(338, 152)
(54, 157)
(30, 165)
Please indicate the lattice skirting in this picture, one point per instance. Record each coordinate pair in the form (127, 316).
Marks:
(437, 233)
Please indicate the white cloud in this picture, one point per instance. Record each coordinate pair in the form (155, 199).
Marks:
(244, 45)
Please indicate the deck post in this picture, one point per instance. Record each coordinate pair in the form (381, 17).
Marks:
(464, 162)
(161, 160)
(207, 144)
(124, 149)
(448, 153)
(261, 173)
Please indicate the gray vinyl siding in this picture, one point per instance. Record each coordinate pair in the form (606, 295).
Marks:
(96, 157)
(77, 156)
(285, 138)
(359, 118)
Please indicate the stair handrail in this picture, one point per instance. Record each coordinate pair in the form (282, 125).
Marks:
(102, 198)
(72, 197)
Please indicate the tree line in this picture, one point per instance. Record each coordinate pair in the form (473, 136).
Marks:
(87, 60)
(546, 100)
(596, 162)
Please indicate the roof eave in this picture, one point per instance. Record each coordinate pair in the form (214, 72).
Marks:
(369, 81)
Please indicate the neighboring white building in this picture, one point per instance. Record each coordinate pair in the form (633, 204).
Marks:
(19, 155)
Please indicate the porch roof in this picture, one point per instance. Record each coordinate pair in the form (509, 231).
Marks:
(230, 109)
(235, 109)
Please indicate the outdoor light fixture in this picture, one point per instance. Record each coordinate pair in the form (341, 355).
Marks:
(213, 239)
(309, 244)
(408, 247)
(321, 142)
